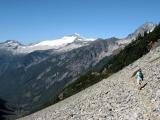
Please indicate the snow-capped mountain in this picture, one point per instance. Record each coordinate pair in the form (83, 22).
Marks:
(31, 75)
(59, 42)
(69, 42)
(60, 45)
(10, 45)
(63, 41)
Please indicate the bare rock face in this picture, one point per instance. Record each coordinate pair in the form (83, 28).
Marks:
(114, 98)
(147, 27)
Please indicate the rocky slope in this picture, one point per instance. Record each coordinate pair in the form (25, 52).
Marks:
(32, 76)
(33, 79)
(114, 98)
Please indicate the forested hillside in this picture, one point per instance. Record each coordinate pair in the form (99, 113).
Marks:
(133, 51)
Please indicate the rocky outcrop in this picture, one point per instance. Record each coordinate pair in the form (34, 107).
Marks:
(114, 98)
(146, 27)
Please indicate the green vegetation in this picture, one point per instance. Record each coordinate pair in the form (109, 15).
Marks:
(82, 83)
(129, 54)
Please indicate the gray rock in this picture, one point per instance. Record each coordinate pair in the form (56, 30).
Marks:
(114, 98)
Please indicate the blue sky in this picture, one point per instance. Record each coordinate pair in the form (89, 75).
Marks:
(36, 20)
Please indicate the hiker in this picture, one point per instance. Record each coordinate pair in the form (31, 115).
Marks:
(139, 76)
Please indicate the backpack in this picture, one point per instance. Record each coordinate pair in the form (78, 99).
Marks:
(141, 75)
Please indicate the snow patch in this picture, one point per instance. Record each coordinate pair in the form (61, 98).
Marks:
(58, 42)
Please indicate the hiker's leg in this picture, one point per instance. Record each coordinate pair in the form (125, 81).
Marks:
(140, 82)
(137, 82)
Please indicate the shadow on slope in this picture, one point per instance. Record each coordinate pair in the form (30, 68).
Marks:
(5, 110)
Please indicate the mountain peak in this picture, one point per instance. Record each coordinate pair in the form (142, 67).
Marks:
(11, 41)
(148, 24)
(146, 27)
(76, 34)
(73, 35)
(57, 42)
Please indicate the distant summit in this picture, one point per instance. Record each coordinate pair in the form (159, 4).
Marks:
(33, 76)
(11, 42)
(146, 27)
(70, 42)
(58, 44)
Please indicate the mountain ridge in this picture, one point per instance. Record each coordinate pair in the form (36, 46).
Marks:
(116, 97)
(62, 42)
(42, 74)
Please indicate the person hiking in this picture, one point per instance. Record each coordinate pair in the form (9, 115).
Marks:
(139, 77)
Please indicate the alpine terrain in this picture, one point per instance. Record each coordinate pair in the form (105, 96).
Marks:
(31, 76)
(114, 98)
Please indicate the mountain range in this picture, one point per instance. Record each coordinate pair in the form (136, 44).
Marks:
(31, 75)
(113, 98)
